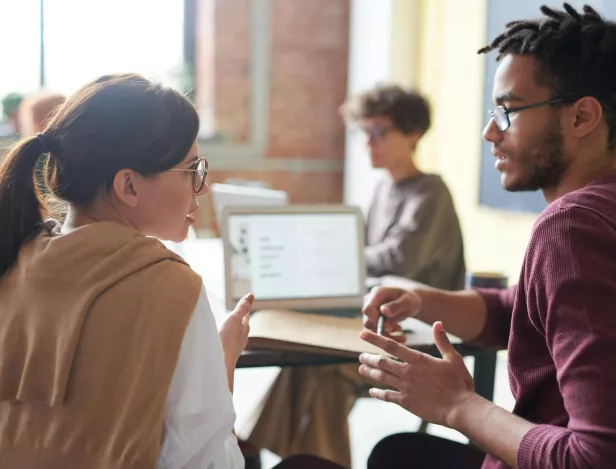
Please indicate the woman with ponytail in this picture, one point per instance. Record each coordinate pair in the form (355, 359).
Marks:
(109, 353)
(22, 208)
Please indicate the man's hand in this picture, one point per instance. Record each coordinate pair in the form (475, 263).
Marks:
(434, 389)
(396, 304)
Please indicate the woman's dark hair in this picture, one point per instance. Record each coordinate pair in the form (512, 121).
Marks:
(114, 122)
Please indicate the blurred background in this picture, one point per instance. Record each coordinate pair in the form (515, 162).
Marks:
(268, 77)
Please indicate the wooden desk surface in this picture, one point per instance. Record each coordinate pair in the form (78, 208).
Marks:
(206, 257)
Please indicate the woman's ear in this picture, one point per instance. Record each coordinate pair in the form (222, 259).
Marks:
(125, 187)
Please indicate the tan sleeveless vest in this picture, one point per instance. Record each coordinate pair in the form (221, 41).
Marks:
(91, 324)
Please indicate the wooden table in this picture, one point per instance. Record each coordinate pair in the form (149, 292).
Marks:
(206, 258)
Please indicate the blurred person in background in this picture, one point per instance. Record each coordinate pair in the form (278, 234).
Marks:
(35, 110)
(412, 231)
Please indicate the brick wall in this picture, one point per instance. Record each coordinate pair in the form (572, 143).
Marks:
(307, 79)
(309, 49)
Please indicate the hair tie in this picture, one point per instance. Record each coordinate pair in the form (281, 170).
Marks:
(41, 138)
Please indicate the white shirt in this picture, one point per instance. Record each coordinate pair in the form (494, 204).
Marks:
(199, 413)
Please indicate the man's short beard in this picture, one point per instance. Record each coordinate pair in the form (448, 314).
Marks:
(546, 162)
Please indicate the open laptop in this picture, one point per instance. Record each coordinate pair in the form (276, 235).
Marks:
(229, 195)
(299, 257)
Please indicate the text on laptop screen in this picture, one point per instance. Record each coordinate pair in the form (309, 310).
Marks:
(288, 255)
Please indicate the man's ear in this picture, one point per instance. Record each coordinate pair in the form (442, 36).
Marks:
(125, 187)
(587, 116)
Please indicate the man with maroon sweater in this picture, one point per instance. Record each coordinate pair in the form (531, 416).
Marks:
(554, 129)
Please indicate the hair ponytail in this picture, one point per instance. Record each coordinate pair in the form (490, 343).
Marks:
(22, 207)
(113, 122)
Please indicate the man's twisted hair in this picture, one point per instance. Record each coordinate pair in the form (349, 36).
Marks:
(575, 52)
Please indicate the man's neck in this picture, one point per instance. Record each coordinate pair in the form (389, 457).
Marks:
(403, 170)
(576, 178)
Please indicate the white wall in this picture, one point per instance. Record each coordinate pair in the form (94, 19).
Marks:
(383, 48)
(369, 64)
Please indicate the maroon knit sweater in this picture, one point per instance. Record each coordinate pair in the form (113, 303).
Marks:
(560, 326)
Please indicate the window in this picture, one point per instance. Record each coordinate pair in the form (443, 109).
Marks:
(216, 48)
(87, 38)
(20, 43)
(19, 40)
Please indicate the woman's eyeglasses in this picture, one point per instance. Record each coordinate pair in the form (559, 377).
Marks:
(199, 171)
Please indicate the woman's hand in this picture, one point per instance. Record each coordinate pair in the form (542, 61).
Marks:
(233, 331)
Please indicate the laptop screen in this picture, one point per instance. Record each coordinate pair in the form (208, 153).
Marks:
(280, 256)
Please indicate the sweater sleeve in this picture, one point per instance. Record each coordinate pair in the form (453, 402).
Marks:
(499, 305)
(570, 283)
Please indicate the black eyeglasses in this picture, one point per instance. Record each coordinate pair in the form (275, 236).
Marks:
(500, 114)
(199, 171)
